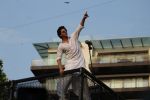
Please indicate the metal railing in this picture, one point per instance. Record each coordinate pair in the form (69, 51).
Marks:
(35, 88)
(121, 59)
(100, 60)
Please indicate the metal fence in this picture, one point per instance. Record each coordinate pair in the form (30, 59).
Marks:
(45, 87)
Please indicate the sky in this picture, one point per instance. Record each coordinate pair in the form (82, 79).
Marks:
(24, 22)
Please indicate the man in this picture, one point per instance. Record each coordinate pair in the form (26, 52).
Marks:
(75, 59)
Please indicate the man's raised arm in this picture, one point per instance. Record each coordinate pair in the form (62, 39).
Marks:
(76, 34)
(85, 16)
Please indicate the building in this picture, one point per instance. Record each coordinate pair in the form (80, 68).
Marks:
(122, 64)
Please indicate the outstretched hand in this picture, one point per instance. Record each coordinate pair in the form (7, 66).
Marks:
(86, 15)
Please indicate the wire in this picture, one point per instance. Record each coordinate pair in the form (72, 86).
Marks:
(61, 15)
(100, 4)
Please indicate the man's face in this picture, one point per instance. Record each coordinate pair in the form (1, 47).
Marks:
(64, 33)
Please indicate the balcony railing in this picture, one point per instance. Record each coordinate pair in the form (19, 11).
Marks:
(44, 62)
(121, 59)
(36, 88)
(100, 60)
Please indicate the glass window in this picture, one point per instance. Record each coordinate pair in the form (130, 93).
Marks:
(52, 59)
(104, 59)
(141, 58)
(142, 82)
(129, 83)
(145, 82)
(45, 60)
(51, 84)
(107, 82)
(114, 59)
(117, 83)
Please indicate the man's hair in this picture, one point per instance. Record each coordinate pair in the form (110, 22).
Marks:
(59, 30)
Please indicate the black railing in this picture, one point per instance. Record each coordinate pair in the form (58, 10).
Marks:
(37, 88)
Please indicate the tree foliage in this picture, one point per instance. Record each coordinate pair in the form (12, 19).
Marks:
(2, 74)
(3, 88)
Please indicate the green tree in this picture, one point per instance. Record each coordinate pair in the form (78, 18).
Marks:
(2, 74)
(3, 87)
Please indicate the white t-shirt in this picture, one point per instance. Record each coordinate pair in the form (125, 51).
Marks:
(72, 50)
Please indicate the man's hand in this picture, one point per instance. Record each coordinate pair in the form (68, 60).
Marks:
(61, 67)
(85, 16)
(61, 71)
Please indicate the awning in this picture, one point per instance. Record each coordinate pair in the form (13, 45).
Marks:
(42, 48)
(121, 43)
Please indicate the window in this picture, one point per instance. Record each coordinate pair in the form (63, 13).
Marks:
(116, 83)
(142, 82)
(105, 59)
(107, 82)
(52, 58)
(127, 82)
(121, 58)
(51, 84)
